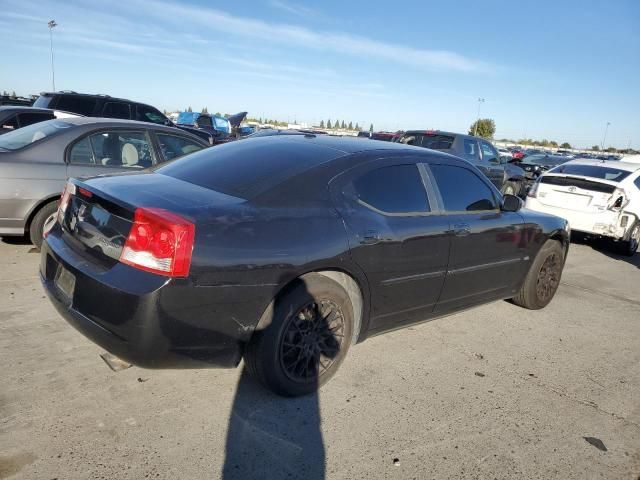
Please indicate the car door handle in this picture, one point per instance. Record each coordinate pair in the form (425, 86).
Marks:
(461, 229)
(370, 237)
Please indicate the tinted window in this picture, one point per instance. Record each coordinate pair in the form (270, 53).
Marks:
(428, 140)
(10, 123)
(30, 118)
(42, 101)
(204, 121)
(594, 171)
(637, 183)
(76, 104)
(22, 137)
(145, 113)
(248, 168)
(462, 190)
(122, 149)
(488, 153)
(81, 152)
(395, 189)
(471, 148)
(116, 110)
(174, 147)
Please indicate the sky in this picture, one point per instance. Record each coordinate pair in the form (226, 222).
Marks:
(550, 69)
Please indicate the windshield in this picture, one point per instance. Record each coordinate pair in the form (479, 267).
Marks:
(593, 171)
(545, 160)
(222, 124)
(22, 137)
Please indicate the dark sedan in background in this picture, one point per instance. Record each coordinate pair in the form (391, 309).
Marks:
(287, 249)
(36, 160)
(535, 165)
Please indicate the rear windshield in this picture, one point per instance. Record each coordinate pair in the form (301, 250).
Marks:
(22, 137)
(577, 182)
(248, 168)
(428, 140)
(545, 160)
(593, 171)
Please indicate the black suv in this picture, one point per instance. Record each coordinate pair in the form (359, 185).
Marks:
(94, 105)
(508, 178)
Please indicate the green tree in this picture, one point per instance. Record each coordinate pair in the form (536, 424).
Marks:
(321, 123)
(204, 110)
(189, 109)
(595, 148)
(553, 143)
(350, 126)
(13, 94)
(371, 128)
(329, 123)
(484, 127)
(565, 145)
(611, 150)
(336, 124)
(343, 125)
(357, 126)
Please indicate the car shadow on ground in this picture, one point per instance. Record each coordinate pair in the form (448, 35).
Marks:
(607, 248)
(271, 437)
(16, 240)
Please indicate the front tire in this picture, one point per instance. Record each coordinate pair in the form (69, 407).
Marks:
(306, 339)
(44, 215)
(543, 278)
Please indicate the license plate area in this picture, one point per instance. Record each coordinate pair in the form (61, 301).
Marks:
(65, 282)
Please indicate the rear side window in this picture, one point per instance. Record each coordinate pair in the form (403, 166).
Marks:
(10, 123)
(76, 104)
(116, 110)
(488, 153)
(30, 118)
(462, 190)
(429, 140)
(471, 148)
(121, 149)
(394, 189)
(81, 152)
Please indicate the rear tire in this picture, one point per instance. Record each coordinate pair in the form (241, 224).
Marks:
(543, 278)
(37, 223)
(630, 247)
(305, 339)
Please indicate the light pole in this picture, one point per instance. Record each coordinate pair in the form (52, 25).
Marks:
(605, 135)
(475, 128)
(52, 24)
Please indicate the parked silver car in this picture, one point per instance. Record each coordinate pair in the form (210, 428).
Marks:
(35, 162)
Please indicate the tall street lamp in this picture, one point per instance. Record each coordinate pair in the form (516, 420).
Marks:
(605, 135)
(475, 129)
(52, 24)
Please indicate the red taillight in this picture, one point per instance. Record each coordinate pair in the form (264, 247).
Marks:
(65, 198)
(159, 242)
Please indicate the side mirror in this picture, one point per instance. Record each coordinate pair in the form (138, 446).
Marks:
(511, 203)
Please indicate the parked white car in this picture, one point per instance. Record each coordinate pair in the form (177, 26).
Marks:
(596, 197)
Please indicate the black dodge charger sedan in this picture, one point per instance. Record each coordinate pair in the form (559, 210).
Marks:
(285, 250)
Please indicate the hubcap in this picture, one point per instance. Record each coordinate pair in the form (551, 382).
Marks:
(312, 341)
(549, 277)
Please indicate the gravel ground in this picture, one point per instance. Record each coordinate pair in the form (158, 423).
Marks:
(494, 392)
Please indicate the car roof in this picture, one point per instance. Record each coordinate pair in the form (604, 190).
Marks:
(628, 166)
(24, 108)
(346, 144)
(437, 132)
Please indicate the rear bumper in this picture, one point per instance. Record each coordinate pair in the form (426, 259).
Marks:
(607, 223)
(138, 316)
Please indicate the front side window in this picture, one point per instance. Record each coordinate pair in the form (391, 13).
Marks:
(462, 190)
(471, 148)
(144, 113)
(488, 153)
(122, 149)
(174, 147)
(394, 189)
(116, 110)
(76, 104)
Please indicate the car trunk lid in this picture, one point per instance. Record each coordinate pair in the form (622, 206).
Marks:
(575, 193)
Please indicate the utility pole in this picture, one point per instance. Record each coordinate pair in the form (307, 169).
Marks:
(475, 128)
(605, 135)
(52, 24)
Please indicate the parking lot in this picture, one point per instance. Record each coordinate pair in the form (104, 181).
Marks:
(495, 392)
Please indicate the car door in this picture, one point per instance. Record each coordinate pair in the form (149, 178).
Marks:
(488, 254)
(396, 236)
(109, 151)
(492, 164)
